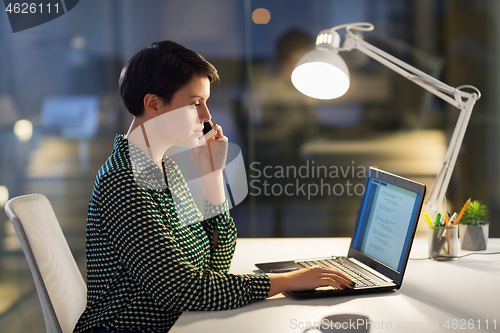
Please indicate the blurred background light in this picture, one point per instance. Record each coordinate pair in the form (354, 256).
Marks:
(261, 16)
(4, 195)
(23, 130)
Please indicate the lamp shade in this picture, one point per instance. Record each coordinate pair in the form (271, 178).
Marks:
(322, 74)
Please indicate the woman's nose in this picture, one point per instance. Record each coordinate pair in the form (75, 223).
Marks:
(204, 114)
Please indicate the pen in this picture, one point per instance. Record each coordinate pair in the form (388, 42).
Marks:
(438, 220)
(453, 218)
(462, 211)
(447, 214)
(428, 219)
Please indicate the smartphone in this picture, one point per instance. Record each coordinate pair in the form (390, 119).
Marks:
(208, 130)
(207, 127)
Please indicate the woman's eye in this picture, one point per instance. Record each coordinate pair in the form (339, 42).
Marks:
(196, 104)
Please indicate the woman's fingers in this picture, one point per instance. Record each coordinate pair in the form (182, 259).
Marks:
(344, 278)
(333, 283)
(218, 128)
(212, 154)
(220, 134)
(339, 280)
(313, 277)
(328, 270)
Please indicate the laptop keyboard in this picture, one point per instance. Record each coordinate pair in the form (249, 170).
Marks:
(360, 280)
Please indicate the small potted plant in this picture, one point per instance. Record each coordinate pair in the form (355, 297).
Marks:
(474, 227)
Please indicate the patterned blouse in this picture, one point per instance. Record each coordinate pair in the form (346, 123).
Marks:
(144, 267)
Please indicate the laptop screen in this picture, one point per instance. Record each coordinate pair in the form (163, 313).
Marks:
(386, 221)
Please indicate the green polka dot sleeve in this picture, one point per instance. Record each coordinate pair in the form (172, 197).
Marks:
(222, 253)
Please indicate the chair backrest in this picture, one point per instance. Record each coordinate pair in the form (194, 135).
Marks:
(60, 286)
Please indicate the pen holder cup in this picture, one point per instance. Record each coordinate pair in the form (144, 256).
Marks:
(443, 242)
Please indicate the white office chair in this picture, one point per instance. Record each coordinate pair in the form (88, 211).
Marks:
(60, 286)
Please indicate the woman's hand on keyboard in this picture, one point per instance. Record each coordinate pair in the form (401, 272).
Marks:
(308, 279)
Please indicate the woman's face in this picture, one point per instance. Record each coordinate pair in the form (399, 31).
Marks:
(184, 116)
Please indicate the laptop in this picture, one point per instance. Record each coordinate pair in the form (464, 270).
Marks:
(381, 242)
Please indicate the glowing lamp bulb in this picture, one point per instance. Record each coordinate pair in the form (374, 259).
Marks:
(321, 74)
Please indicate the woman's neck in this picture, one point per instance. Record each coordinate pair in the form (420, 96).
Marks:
(143, 140)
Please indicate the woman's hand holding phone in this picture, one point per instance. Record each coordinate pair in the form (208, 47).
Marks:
(210, 159)
(210, 155)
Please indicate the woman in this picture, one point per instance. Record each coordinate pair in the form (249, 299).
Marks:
(145, 267)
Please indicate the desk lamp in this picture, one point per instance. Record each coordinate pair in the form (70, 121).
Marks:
(323, 74)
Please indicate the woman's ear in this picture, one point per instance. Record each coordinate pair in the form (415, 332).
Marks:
(151, 105)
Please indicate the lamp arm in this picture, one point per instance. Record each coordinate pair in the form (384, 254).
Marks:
(411, 73)
(460, 99)
(440, 186)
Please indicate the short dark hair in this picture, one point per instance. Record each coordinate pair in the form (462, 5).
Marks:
(161, 69)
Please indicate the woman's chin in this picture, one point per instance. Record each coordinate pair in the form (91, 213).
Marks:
(190, 141)
(193, 142)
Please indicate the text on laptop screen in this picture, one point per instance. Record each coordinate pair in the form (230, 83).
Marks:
(383, 230)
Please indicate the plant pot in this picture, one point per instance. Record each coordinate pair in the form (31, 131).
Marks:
(473, 237)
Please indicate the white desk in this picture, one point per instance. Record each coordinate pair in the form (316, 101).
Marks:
(432, 293)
